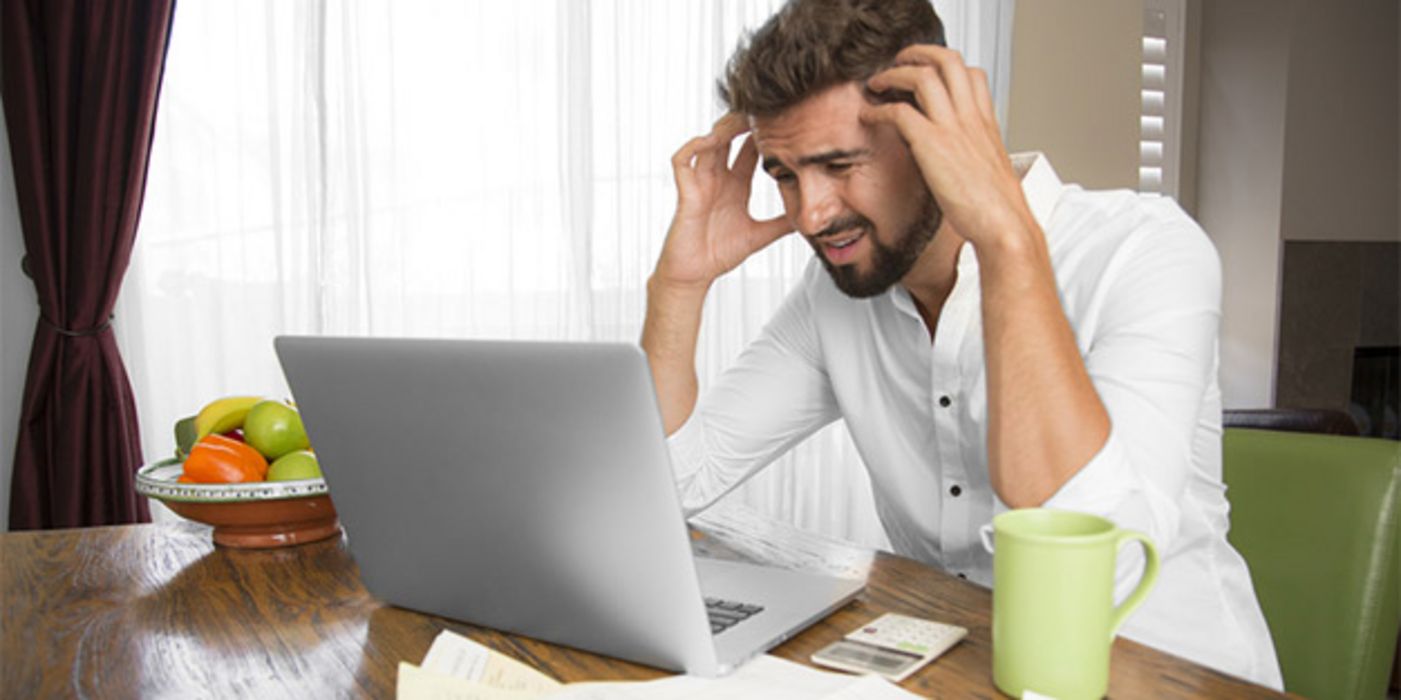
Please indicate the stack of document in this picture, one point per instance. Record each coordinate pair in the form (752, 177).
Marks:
(457, 668)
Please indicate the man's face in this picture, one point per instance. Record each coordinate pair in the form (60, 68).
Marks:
(853, 191)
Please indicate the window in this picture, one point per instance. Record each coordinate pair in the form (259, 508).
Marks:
(1160, 121)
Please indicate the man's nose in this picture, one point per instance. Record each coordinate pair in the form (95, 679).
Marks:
(818, 204)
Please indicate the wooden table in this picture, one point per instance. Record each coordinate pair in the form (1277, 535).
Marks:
(157, 610)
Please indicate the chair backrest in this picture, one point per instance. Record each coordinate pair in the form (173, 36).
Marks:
(1294, 420)
(1316, 517)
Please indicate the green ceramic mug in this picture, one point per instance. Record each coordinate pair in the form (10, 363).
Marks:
(1053, 614)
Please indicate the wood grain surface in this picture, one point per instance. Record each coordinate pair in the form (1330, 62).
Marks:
(158, 611)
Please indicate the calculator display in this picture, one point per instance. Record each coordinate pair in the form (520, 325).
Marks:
(867, 656)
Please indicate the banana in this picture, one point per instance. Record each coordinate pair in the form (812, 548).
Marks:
(223, 415)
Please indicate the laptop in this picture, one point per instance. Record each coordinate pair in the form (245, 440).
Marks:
(526, 487)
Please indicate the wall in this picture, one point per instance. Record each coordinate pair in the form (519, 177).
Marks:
(1337, 296)
(1341, 162)
(1075, 94)
(1341, 225)
(1191, 106)
(1075, 87)
(1294, 104)
(17, 317)
(1240, 180)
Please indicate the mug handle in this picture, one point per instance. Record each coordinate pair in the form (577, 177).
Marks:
(1140, 593)
(986, 533)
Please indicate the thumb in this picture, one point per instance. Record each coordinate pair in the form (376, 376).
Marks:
(770, 230)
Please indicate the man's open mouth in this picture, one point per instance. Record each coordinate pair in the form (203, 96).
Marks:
(839, 248)
(845, 240)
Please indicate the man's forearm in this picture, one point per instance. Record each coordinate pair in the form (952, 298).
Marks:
(669, 337)
(1045, 419)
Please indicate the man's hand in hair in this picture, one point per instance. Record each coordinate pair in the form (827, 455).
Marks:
(713, 232)
(952, 131)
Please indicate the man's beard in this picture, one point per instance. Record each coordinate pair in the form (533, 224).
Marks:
(889, 264)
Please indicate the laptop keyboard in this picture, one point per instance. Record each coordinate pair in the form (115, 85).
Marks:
(725, 614)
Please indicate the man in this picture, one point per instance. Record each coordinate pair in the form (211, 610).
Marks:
(992, 337)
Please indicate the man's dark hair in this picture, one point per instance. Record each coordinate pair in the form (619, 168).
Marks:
(810, 45)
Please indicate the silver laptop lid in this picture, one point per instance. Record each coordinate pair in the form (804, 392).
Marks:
(520, 486)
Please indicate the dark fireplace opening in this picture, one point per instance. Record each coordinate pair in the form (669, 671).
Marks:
(1376, 391)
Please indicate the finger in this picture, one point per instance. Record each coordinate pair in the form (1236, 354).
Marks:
(746, 161)
(901, 115)
(770, 230)
(712, 154)
(956, 79)
(686, 185)
(982, 94)
(681, 162)
(729, 126)
(709, 155)
(923, 82)
(687, 153)
(952, 68)
(723, 132)
(923, 54)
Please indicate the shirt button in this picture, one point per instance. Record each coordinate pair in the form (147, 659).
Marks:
(945, 401)
(955, 490)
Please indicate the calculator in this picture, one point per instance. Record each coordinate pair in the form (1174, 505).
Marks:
(892, 645)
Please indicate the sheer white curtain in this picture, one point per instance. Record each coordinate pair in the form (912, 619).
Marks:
(982, 31)
(445, 169)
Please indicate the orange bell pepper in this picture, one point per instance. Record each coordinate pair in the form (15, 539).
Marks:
(217, 459)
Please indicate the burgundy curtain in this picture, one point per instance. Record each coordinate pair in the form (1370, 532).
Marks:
(80, 82)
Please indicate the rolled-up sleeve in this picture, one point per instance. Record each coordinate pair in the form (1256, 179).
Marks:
(775, 395)
(1151, 355)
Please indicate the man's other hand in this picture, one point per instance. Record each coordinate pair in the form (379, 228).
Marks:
(954, 137)
(713, 232)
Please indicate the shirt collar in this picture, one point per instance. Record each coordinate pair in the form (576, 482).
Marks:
(1040, 184)
(1042, 188)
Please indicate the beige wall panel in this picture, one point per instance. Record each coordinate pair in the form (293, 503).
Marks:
(1075, 87)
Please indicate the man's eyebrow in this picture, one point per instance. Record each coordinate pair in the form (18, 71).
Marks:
(771, 163)
(835, 154)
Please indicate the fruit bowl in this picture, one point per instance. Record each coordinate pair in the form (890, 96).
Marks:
(256, 515)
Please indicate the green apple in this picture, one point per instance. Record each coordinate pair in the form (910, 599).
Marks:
(292, 466)
(274, 429)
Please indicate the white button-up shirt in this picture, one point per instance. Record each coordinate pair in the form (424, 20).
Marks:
(1140, 284)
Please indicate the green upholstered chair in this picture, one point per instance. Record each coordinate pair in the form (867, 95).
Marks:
(1316, 517)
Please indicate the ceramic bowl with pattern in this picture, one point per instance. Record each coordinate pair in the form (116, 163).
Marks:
(256, 515)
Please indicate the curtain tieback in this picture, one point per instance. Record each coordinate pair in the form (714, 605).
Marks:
(80, 333)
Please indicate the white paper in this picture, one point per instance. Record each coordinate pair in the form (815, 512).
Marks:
(871, 688)
(456, 656)
(415, 683)
(764, 678)
(457, 668)
(459, 657)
